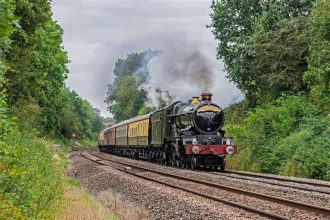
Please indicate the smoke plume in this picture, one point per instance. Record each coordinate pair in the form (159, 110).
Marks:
(182, 69)
(189, 67)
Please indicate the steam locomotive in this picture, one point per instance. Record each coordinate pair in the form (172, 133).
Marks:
(187, 135)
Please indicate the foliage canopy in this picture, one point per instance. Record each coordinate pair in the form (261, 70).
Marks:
(318, 74)
(255, 42)
(34, 103)
(127, 95)
(277, 53)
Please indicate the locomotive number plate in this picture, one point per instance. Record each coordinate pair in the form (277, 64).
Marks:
(209, 108)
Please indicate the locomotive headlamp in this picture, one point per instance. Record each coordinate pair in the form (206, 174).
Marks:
(194, 141)
(228, 142)
(230, 150)
(196, 149)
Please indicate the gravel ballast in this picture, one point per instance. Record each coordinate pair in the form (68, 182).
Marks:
(159, 201)
(285, 192)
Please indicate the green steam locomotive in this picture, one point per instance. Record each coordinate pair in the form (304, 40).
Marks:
(187, 135)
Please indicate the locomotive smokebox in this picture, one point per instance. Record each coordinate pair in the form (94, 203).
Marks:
(206, 96)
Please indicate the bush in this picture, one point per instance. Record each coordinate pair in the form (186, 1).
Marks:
(290, 136)
(31, 183)
(28, 114)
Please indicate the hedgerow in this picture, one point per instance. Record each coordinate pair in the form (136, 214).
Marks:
(31, 180)
(290, 136)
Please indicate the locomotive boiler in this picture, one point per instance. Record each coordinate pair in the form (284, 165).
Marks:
(187, 135)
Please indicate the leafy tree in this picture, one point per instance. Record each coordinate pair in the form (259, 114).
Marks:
(126, 101)
(78, 116)
(238, 24)
(318, 74)
(32, 73)
(34, 63)
(281, 48)
(232, 22)
(31, 184)
(97, 121)
(6, 28)
(125, 96)
(278, 59)
(36, 59)
(135, 64)
(7, 19)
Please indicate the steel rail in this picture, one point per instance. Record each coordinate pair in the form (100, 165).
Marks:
(237, 205)
(287, 202)
(278, 178)
(271, 183)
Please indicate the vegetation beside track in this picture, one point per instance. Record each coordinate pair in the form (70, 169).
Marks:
(36, 108)
(32, 174)
(279, 58)
(33, 184)
(290, 137)
(31, 178)
(78, 204)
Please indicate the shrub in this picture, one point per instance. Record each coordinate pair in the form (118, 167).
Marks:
(28, 114)
(290, 136)
(31, 182)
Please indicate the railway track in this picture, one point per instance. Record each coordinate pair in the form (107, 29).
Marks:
(266, 179)
(278, 178)
(302, 206)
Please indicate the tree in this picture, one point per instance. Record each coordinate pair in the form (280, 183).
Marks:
(6, 29)
(78, 116)
(126, 101)
(97, 121)
(277, 59)
(318, 74)
(232, 25)
(125, 96)
(237, 24)
(7, 19)
(36, 60)
(135, 64)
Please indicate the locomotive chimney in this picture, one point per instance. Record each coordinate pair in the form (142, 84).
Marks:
(195, 100)
(206, 96)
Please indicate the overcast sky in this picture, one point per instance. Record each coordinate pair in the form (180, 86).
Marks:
(97, 33)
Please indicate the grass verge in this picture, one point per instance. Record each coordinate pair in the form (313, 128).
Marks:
(78, 204)
(125, 210)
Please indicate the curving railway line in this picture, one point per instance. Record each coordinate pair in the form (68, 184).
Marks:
(280, 181)
(136, 171)
(248, 174)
